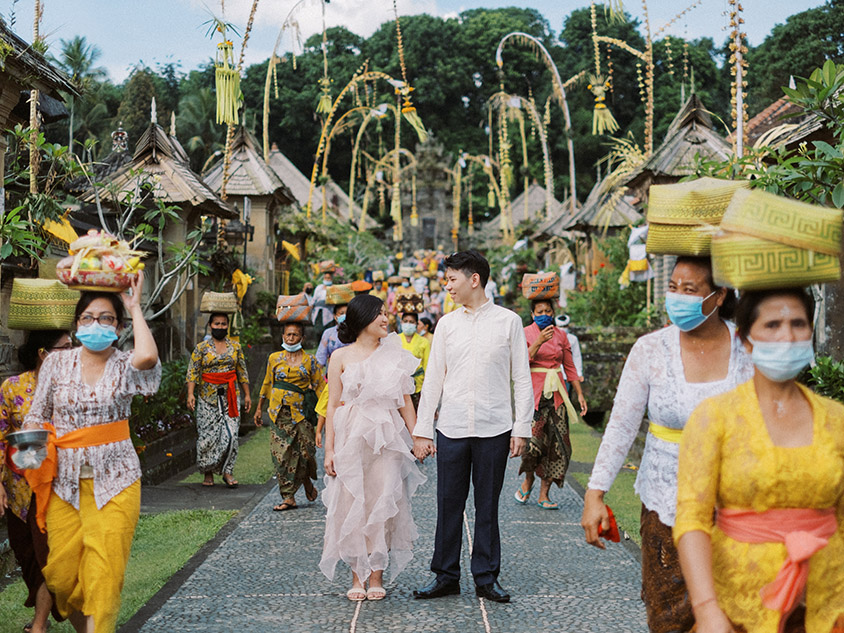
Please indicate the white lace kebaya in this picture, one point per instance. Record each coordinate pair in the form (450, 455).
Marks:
(69, 403)
(653, 381)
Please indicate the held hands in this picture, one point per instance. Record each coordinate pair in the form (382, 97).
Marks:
(423, 447)
(517, 446)
(546, 334)
(595, 515)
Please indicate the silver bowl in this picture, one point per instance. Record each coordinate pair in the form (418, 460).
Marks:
(28, 448)
(29, 438)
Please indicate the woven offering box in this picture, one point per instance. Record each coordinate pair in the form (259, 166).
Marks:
(218, 302)
(99, 262)
(771, 242)
(540, 286)
(682, 217)
(339, 294)
(291, 300)
(409, 303)
(405, 272)
(327, 266)
(41, 304)
(293, 313)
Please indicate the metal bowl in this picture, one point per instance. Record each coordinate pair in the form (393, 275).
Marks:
(28, 439)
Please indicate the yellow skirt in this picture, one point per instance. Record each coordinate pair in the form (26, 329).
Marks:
(89, 549)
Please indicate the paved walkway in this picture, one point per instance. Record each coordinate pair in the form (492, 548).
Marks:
(262, 576)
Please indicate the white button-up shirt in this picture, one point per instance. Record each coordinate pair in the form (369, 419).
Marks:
(476, 357)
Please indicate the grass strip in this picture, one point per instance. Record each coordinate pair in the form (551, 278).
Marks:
(163, 544)
(254, 464)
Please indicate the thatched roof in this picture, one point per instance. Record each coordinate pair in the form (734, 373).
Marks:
(592, 216)
(535, 197)
(299, 185)
(29, 67)
(249, 175)
(691, 133)
(158, 156)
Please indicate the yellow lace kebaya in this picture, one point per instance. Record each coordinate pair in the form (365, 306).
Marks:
(728, 460)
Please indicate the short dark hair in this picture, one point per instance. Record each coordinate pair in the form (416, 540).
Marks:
(411, 314)
(338, 306)
(469, 262)
(297, 324)
(536, 302)
(35, 341)
(728, 308)
(747, 310)
(428, 322)
(363, 310)
(89, 297)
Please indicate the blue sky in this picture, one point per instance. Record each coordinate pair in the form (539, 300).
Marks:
(160, 31)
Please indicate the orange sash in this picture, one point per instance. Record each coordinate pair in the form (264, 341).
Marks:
(41, 479)
(804, 532)
(227, 378)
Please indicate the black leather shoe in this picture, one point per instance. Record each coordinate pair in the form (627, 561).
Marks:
(492, 591)
(437, 588)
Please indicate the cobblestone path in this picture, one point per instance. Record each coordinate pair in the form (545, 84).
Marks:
(263, 577)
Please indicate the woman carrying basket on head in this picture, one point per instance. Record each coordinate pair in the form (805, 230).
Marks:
(217, 366)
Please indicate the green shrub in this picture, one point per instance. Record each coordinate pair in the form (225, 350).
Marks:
(155, 416)
(826, 378)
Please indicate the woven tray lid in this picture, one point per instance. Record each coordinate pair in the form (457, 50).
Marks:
(762, 214)
(701, 201)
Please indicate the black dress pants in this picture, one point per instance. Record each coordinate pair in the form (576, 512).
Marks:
(483, 460)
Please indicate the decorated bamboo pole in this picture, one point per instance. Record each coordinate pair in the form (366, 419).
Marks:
(559, 92)
(34, 156)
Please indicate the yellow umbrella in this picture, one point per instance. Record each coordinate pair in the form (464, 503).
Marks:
(61, 229)
(293, 249)
(241, 282)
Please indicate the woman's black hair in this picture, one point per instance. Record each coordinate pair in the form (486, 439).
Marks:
(338, 306)
(728, 308)
(413, 314)
(218, 314)
(747, 310)
(36, 341)
(363, 310)
(536, 302)
(428, 323)
(88, 298)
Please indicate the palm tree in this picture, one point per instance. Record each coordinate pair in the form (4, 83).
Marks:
(196, 120)
(78, 59)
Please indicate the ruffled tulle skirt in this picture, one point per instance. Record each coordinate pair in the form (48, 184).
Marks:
(369, 524)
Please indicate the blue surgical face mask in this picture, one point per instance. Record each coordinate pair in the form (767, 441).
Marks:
(408, 329)
(292, 348)
(405, 284)
(543, 321)
(327, 282)
(686, 311)
(96, 337)
(340, 318)
(781, 361)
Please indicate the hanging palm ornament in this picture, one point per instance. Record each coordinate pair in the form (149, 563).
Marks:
(325, 100)
(603, 122)
(226, 75)
(414, 211)
(408, 110)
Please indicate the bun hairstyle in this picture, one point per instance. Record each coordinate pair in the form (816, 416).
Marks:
(363, 310)
(35, 341)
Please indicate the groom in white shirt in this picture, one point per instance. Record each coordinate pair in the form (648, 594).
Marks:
(478, 351)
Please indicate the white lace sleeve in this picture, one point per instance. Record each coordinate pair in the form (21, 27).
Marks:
(41, 410)
(629, 406)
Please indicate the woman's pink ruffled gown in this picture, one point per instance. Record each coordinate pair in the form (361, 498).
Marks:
(369, 524)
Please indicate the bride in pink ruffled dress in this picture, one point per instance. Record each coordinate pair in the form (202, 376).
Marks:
(371, 473)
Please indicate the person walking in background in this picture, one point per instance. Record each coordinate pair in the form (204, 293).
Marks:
(549, 451)
(418, 346)
(88, 492)
(321, 314)
(293, 381)
(370, 474)
(329, 341)
(217, 366)
(27, 541)
(425, 329)
(478, 357)
(766, 460)
(563, 322)
(667, 374)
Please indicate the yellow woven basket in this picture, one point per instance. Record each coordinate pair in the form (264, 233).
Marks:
(682, 217)
(41, 304)
(771, 242)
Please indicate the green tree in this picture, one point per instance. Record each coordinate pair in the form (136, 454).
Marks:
(134, 110)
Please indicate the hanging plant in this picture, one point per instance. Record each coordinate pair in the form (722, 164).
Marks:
(228, 84)
(602, 119)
